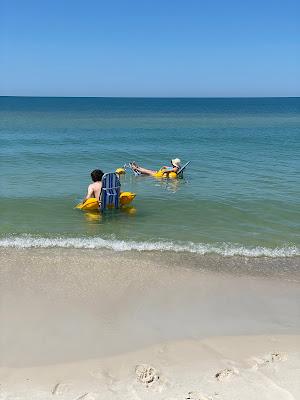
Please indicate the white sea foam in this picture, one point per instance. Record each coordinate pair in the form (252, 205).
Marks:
(224, 249)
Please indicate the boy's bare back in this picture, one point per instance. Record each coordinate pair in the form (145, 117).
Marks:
(94, 189)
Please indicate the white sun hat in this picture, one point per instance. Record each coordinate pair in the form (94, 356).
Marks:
(176, 162)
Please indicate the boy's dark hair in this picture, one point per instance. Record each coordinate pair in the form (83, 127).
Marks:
(96, 175)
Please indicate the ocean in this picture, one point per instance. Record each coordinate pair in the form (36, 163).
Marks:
(239, 195)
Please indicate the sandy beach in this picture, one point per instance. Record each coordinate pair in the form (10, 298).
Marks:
(96, 324)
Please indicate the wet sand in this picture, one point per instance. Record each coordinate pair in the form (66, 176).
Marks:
(102, 324)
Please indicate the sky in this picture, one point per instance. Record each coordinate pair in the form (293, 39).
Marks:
(156, 48)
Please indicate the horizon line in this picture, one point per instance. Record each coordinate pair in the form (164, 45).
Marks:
(155, 97)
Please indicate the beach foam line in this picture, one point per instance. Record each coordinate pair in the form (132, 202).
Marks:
(224, 249)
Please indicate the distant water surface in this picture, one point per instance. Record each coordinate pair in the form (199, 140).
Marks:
(240, 194)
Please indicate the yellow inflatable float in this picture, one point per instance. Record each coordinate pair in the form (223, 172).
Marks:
(92, 204)
(120, 171)
(162, 173)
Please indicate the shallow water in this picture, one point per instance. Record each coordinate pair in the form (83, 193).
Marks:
(240, 194)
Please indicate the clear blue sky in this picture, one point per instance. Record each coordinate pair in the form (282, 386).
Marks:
(150, 47)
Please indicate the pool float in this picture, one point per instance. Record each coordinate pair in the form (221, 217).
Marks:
(93, 203)
(126, 198)
(162, 173)
(120, 171)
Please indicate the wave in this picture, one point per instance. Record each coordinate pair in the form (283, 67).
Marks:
(224, 249)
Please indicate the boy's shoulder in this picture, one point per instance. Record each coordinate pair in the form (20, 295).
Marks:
(95, 185)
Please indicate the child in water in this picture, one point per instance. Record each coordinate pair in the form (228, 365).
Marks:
(162, 172)
(94, 189)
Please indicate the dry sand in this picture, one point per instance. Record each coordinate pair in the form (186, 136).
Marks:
(88, 324)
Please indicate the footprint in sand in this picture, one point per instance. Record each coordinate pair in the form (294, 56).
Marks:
(225, 374)
(200, 396)
(269, 359)
(86, 396)
(146, 374)
(61, 389)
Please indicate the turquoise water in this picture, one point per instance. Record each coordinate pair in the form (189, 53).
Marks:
(240, 193)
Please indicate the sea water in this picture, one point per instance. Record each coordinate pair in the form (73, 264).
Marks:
(239, 195)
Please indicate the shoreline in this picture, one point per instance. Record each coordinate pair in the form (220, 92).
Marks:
(239, 265)
(223, 249)
(76, 324)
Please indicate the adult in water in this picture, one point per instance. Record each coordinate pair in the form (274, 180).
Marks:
(94, 189)
(175, 167)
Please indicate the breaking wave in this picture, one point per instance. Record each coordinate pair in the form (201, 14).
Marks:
(224, 249)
